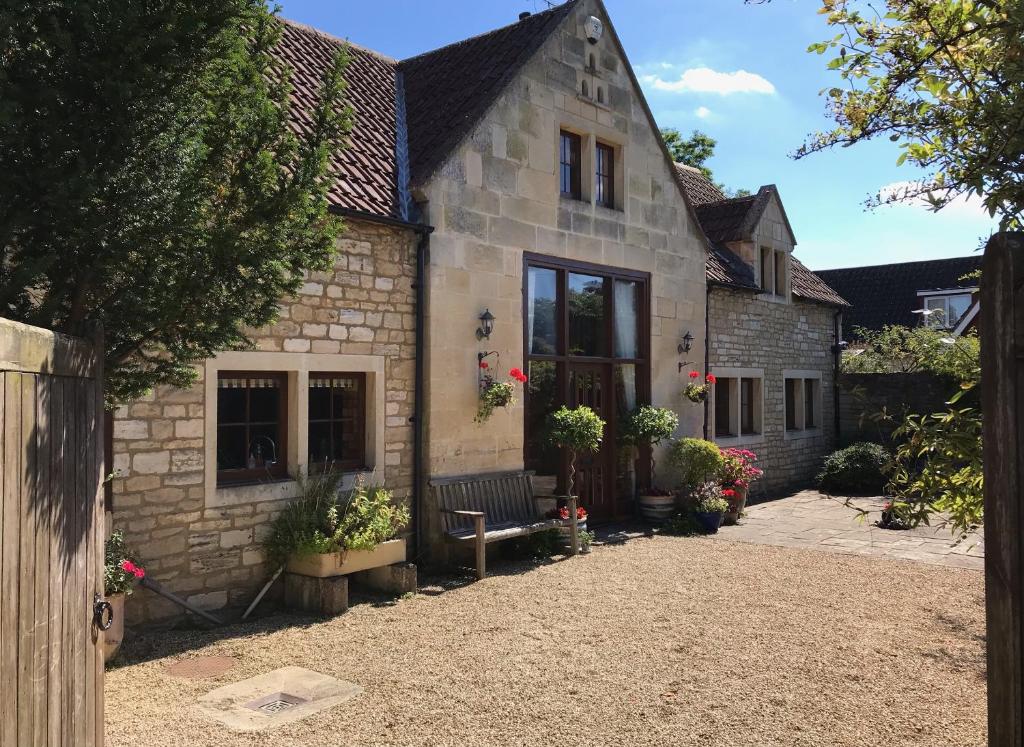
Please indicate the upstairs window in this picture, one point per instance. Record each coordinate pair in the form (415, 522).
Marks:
(605, 175)
(570, 152)
(946, 310)
(251, 417)
(774, 267)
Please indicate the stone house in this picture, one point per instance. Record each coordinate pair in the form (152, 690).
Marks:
(774, 329)
(518, 173)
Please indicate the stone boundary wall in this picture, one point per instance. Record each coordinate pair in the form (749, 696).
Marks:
(899, 394)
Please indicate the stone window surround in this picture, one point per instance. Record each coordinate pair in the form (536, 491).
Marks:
(298, 367)
(770, 291)
(748, 438)
(801, 432)
(590, 135)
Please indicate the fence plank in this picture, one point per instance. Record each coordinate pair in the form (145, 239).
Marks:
(10, 571)
(58, 569)
(27, 560)
(1002, 360)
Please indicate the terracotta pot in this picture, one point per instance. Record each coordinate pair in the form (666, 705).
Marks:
(326, 565)
(736, 505)
(657, 509)
(113, 635)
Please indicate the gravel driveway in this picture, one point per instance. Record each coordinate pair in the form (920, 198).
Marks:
(660, 641)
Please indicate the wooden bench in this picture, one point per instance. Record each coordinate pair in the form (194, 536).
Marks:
(494, 507)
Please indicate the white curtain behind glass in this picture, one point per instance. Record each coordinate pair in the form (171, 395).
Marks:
(625, 319)
(531, 292)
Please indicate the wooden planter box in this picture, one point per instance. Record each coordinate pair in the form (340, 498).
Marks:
(349, 561)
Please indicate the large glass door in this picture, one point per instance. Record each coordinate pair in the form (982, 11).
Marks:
(586, 343)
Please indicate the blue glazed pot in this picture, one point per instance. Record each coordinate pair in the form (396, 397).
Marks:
(710, 521)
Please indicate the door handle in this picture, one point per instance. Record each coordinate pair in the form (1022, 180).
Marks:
(102, 613)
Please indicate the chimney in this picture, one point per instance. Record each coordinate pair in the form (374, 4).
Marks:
(524, 15)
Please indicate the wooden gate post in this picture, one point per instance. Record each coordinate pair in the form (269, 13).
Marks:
(1002, 366)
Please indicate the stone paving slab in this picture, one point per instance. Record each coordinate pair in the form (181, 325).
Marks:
(812, 520)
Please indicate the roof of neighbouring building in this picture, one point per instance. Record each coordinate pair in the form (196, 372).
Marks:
(887, 294)
(734, 219)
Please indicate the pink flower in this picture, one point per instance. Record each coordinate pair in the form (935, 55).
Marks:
(139, 573)
(127, 566)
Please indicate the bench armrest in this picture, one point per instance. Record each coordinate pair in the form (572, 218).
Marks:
(461, 513)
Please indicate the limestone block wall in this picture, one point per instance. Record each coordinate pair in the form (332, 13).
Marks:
(203, 541)
(498, 196)
(753, 332)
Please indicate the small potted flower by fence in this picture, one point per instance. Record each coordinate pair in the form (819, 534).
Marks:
(324, 533)
(709, 506)
(562, 513)
(696, 391)
(647, 427)
(121, 571)
(738, 471)
(494, 393)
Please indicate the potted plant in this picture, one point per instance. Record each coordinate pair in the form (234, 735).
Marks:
(494, 393)
(578, 430)
(324, 534)
(648, 426)
(121, 571)
(738, 471)
(586, 540)
(709, 506)
(698, 392)
(562, 512)
(696, 462)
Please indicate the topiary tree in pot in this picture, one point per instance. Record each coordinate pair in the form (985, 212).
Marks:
(579, 430)
(649, 426)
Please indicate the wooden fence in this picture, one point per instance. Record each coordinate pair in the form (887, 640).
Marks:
(51, 544)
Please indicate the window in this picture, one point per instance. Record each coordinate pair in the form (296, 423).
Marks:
(585, 89)
(251, 414)
(774, 264)
(569, 153)
(948, 309)
(803, 401)
(605, 173)
(337, 421)
(767, 270)
(780, 273)
(738, 403)
(600, 95)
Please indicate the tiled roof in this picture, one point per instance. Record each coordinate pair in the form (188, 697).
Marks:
(887, 294)
(448, 90)
(725, 220)
(365, 171)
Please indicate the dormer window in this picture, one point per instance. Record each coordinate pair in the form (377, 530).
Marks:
(570, 152)
(774, 269)
(943, 309)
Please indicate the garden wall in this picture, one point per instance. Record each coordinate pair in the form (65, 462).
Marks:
(864, 395)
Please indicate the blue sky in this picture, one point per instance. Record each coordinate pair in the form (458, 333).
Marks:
(739, 73)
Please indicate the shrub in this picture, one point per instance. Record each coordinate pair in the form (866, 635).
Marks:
(578, 429)
(696, 461)
(683, 524)
(856, 470)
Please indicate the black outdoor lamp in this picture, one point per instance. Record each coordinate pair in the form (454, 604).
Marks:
(686, 344)
(483, 332)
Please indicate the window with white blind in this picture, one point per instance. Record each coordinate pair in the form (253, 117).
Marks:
(337, 417)
(251, 425)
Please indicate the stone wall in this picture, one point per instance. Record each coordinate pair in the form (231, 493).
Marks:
(497, 196)
(203, 541)
(751, 331)
(862, 396)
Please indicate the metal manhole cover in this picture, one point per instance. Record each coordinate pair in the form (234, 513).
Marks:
(201, 666)
(275, 703)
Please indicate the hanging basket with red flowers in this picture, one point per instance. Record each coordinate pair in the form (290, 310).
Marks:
(696, 391)
(495, 394)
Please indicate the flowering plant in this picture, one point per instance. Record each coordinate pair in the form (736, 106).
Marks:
(738, 470)
(120, 569)
(563, 513)
(709, 499)
(698, 392)
(495, 394)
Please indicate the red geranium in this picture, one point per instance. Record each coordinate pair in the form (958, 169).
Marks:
(483, 364)
(694, 374)
(581, 513)
(711, 378)
(518, 375)
(129, 567)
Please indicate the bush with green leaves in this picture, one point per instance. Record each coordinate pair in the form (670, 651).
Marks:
(579, 429)
(683, 524)
(320, 520)
(859, 469)
(649, 426)
(696, 462)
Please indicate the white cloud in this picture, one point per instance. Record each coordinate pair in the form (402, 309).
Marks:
(706, 80)
(962, 206)
(702, 112)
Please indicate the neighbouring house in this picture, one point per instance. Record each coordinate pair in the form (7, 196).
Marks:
(516, 177)
(773, 329)
(937, 292)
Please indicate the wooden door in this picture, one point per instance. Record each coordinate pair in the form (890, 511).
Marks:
(590, 385)
(51, 555)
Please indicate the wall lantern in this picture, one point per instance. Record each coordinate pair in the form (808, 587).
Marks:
(686, 344)
(483, 332)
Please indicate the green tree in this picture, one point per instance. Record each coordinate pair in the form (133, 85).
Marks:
(695, 151)
(579, 429)
(149, 178)
(945, 80)
(898, 349)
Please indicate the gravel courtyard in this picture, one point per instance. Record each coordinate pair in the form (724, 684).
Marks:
(655, 641)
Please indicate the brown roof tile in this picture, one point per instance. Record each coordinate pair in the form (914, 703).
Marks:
(699, 188)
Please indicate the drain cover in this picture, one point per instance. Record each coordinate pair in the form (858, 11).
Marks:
(274, 704)
(201, 666)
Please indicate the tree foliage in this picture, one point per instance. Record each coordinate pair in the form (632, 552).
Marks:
(577, 429)
(945, 80)
(149, 179)
(695, 151)
(899, 349)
